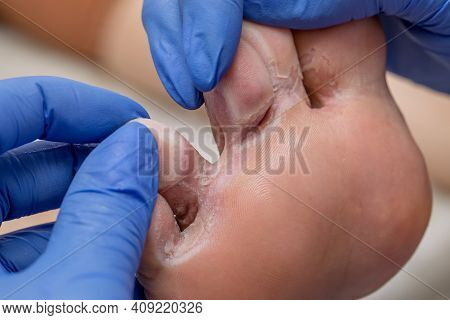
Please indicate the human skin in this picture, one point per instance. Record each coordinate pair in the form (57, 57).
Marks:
(339, 230)
(78, 23)
(112, 35)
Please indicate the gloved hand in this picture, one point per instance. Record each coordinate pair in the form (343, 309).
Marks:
(193, 42)
(95, 246)
(19, 249)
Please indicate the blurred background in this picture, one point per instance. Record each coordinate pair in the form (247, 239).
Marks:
(101, 42)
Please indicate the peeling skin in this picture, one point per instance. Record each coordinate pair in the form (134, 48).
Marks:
(313, 63)
(222, 232)
(286, 78)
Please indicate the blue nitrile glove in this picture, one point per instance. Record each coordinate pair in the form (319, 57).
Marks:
(95, 246)
(193, 42)
(19, 249)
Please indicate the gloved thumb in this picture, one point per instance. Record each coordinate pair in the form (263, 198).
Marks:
(97, 242)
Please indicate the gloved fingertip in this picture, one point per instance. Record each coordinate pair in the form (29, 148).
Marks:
(208, 60)
(210, 40)
(178, 83)
(204, 67)
(193, 103)
(129, 106)
(142, 113)
(187, 97)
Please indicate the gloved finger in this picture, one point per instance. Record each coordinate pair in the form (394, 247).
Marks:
(97, 242)
(432, 15)
(162, 21)
(60, 110)
(35, 177)
(430, 49)
(424, 28)
(308, 14)
(18, 250)
(210, 40)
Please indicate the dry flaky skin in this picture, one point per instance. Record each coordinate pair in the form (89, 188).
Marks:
(339, 229)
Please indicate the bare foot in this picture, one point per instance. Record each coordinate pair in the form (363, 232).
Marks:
(337, 220)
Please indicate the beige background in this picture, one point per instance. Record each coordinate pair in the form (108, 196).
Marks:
(427, 113)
